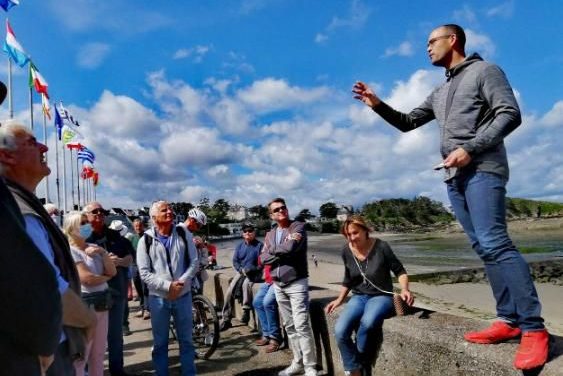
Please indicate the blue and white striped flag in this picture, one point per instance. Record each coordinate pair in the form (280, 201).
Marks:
(86, 155)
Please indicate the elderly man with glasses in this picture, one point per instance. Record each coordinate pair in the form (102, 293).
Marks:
(476, 109)
(245, 262)
(23, 165)
(121, 252)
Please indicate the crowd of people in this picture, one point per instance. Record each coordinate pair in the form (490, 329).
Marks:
(61, 321)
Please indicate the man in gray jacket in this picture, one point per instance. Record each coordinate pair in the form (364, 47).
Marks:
(167, 262)
(476, 109)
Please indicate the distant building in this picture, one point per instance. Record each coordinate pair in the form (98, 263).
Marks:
(237, 213)
(344, 212)
(234, 228)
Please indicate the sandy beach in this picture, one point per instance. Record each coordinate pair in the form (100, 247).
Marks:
(473, 300)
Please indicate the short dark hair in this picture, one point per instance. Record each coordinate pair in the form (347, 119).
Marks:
(459, 33)
(279, 200)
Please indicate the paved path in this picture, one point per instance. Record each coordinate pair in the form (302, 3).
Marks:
(236, 355)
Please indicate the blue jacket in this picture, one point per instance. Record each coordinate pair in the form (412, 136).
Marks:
(245, 257)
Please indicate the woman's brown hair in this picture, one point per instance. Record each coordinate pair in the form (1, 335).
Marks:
(356, 220)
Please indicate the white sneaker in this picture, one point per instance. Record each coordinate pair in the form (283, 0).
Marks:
(310, 371)
(293, 369)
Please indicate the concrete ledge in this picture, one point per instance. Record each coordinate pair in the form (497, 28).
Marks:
(426, 343)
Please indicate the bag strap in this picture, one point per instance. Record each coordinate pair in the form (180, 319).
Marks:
(182, 233)
(366, 279)
(180, 230)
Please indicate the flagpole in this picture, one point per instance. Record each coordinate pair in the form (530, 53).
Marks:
(10, 104)
(31, 104)
(57, 162)
(72, 179)
(78, 181)
(64, 180)
(46, 160)
(94, 189)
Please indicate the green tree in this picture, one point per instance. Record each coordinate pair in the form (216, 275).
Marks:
(259, 211)
(218, 212)
(181, 208)
(305, 214)
(328, 210)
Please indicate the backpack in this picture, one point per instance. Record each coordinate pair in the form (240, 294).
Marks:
(180, 230)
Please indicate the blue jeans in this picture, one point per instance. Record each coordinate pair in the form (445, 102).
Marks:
(266, 308)
(115, 334)
(161, 311)
(478, 200)
(362, 314)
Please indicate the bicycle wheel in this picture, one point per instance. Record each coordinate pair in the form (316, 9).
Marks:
(205, 327)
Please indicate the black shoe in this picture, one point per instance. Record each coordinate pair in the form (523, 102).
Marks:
(126, 330)
(245, 316)
(225, 325)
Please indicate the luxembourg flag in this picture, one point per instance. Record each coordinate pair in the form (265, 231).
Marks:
(7, 4)
(13, 48)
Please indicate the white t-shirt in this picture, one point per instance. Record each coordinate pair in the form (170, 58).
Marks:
(94, 264)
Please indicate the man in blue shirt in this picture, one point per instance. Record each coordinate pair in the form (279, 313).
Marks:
(245, 262)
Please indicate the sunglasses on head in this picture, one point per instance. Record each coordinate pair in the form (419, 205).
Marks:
(279, 209)
(98, 212)
(247, 231)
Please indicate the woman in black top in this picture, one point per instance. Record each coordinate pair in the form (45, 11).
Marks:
(368, 263)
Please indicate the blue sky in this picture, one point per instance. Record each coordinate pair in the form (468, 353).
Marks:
(249, 100)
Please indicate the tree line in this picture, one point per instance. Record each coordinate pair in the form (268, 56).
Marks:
(394, 214)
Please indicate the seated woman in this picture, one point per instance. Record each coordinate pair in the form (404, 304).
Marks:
(95, 268)
(368, 263)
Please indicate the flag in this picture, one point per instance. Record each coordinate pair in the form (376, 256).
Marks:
(58, 122)
(36, 80)
(86, 155)
(67, 134)
(7, 4)
(95, 178)
(87, 172)
(46, 106)
(13, 48)
(76, 145)
(65, 114)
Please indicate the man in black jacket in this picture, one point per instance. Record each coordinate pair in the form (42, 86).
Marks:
(31, 314)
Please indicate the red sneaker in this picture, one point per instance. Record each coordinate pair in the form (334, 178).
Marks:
(532, 352)
(499, 331)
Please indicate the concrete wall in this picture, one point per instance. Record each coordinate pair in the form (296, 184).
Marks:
(424, 343)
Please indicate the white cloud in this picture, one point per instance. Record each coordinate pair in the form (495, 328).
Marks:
(321, 38)
(465, 15)
(273, 94)
(504, 10)
(230, 116)
(480, 43)
(356, 18)
(197, 53)
(198, 146)
(403, 49)
(555, 116)
(92, 55)
(407, 95)
(86, 15)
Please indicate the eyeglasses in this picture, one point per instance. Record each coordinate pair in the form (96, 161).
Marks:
(433, 40)
(97, 212)
(279, 209)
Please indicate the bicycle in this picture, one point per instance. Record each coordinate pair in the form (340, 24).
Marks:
(205, 325)
(206, 331)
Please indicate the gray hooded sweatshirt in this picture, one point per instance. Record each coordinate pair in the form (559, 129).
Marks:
(475, 109)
